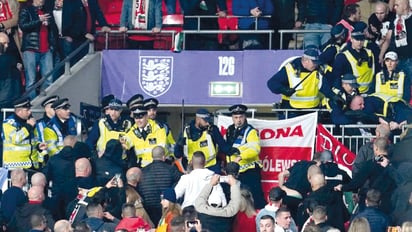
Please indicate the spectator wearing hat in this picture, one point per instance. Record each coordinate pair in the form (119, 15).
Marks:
(190, 185)
(275, 200)
(20, 147)
(333, 45)
(300, 83)
(170, 209)
(62, 124)
(151, 106)
(357, 60)
(392, 82)
(47, 116)
(111, 126)
(201, 135)
(245, 150)
(143, 136)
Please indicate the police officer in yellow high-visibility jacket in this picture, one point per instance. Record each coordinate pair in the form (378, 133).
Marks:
(357, 60)
(391, 81)
(143, 136)
(112, 126)
(300, 82)
(201, 135)
(61, 125)
(20, 147)
(245, 142)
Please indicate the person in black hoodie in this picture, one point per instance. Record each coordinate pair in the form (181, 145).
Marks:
(324, 195)
(60, 170)
(110, 163)
(333, 174)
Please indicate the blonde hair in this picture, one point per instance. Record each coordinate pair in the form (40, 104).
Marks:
(247, 202)
(359, 224)
(134, 198)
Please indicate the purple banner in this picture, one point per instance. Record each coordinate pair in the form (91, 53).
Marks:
(173, 77)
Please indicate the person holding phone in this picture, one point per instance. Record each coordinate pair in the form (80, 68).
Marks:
(218, 218)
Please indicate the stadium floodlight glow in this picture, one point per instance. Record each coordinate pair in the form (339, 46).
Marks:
(225, 89)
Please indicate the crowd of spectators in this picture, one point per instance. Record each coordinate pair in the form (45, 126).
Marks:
(131, 175)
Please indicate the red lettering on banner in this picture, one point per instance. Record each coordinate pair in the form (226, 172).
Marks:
(281, 132)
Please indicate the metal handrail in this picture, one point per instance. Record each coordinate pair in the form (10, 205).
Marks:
(297, 31)
(299, 110)
(65, 62)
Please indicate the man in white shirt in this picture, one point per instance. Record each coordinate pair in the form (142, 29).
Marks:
(190, 185)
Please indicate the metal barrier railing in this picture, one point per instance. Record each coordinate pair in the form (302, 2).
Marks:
(296, 32)
(56, 69)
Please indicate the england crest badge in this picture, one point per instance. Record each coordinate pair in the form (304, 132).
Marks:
(155, 74)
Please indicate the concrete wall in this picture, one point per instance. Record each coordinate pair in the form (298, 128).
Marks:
(83, 85)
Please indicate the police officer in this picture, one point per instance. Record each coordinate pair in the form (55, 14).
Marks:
(20, 147)
(151, 105)
(391, 81)
(201, 135)
(62, 124)
(134, 102)
(300, 82)
(42, 123)
(245, 142)
(357, 60)
(47, 116)
(349, 89)
(111, 126)
(393, 110)
(143, 136)
(333, 46)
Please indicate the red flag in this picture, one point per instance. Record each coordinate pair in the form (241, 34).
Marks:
(341, 154)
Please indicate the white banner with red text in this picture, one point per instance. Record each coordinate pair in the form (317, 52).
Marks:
(283, 143)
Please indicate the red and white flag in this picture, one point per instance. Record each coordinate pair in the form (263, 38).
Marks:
(341, 154)
(283, 143)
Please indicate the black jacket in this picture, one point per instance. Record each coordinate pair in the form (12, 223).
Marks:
(320, 11)
(20, 222)
(30, 24)
(74, 18)
(110, 163)
(60, 170)
(336, 209)
(156, 177)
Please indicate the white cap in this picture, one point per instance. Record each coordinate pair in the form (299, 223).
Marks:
(391, 55)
